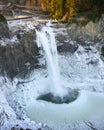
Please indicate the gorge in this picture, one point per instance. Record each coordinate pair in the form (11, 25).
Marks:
(24, 76)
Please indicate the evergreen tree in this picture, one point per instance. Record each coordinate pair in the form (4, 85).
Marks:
(64, 9)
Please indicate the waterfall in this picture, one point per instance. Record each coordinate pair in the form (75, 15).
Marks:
(46, 40)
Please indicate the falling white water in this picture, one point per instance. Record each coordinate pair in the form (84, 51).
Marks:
(46, 39)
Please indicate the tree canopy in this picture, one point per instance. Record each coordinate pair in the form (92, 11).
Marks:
(64, 9)
(68, 8)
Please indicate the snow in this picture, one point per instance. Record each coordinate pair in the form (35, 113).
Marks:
(75, 73)
(18, 98)
(11, 41)
(25, 25)
(84, 108)
(24, 124)
(8, 117)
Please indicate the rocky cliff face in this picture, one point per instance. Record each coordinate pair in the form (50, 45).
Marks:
(91, 31)
(4, 30)
(70, 37)
(19, 59)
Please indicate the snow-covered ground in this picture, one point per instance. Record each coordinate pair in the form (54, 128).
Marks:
(83, 70)
(76, 73)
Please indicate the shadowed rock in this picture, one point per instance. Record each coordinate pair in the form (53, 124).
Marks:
(19, 59)
(4, 30)
(67, 48)
(102, 51)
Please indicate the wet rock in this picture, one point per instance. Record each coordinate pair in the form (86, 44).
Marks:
(39, 27)
(61, 38)
(49, 97)
(19, 59)
(4, 30)
(13, 128)
(39, 129)
(93, 62)
(23, 129)
(64, 43)
(102, 50)
(19, 128)
(67, 47)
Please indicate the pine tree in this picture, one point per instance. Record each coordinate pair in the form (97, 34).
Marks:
(72, 8)
(45, 4)
(57, 8)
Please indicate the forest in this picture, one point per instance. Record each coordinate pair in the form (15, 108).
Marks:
(64, 9)
(69, 8)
